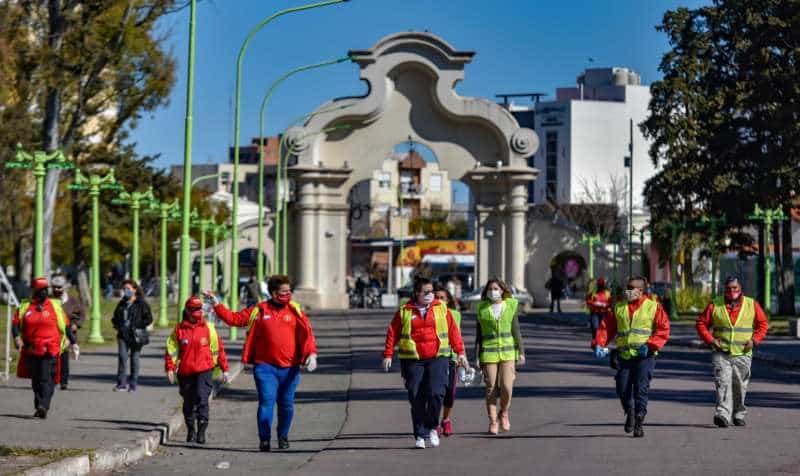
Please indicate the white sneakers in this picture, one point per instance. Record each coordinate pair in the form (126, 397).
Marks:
(433, 437)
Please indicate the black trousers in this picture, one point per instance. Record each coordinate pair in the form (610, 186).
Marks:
(426, 383)
(195, 390)
(43, 374)
(633, 384)
(64, 369)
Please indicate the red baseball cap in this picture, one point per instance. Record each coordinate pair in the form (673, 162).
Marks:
(601, 282)
(40, 283)
(194, 303)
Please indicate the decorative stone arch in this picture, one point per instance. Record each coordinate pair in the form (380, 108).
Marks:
(411, 77)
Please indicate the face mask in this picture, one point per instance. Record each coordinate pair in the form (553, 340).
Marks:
(40, 295)
(732, 295)
(284, 298)
(632, 295)
(195, 314)
(127, 293)
(495, 294)
(427, 299)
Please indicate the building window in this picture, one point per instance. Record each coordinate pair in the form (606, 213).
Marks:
(551, 164)
(385, 180)
(436, 183)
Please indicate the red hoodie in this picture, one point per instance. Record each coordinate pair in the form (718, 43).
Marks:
(192, 343)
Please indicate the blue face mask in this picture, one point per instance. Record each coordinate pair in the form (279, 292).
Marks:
(127, 292)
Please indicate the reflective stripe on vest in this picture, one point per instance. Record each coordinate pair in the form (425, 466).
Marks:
(61, 319)
(633, 332)
(407, 346)
(734, 337)
(497, 344)
(457, 319)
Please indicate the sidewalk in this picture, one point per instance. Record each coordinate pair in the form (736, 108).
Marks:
(90, 417)
(776, 350)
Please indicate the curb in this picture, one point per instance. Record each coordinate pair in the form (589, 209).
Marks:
(118, 456)
(763, 357)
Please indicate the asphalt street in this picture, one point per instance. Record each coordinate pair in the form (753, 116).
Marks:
(566, 419)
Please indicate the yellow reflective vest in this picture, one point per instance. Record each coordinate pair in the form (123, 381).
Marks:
(733, 337)
(634, 331)
(497, 344)
(407, 346)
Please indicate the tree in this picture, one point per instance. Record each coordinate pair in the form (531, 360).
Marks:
(91, 68)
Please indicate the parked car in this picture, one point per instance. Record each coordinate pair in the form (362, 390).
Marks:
(525, 299)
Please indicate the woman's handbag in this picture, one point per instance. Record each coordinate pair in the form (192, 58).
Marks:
(141, 337)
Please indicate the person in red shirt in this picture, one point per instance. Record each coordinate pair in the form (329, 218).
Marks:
(427, 334)
(40, 334)
(739, 324)
(195, 349)
(279, 341)
(599, 303)
(641, 328)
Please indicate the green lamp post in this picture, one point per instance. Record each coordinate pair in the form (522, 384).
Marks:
(591, 241)
(264, 103)
(216, 232)
(204, 225)
(237, 104)
(167, 212)
(135, 200)
(767, 216)
(39, 162)
(94, 183)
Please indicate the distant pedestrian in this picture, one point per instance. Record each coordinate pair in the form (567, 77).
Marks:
(427, 335)
(131, 318)
(446, 427)
(732, 326)
(641, 328)
(194, 351)
(76, 314)
(40, 334)
(599, 303)
(498, 349)
(279, 341)
(108, 285)
(253, 290)
(556, 287)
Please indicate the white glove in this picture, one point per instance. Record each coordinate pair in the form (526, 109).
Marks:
(76, 351)
(226, 377)
(211, 297)
(311, 363)
(387, 364)
(521, 360)
(171, 377)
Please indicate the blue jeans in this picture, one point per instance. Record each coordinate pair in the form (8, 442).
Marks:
(127, 351)
(633, 384)
(275, 385)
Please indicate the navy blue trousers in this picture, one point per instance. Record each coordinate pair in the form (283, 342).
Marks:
(633, 384)
(426, 382)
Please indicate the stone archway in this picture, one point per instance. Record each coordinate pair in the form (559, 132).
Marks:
(411, 77)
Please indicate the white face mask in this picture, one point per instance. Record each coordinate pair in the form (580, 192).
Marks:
(495, 294)
(632, 295)
(428, 298)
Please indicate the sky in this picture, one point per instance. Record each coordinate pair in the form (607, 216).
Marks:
(520, 45)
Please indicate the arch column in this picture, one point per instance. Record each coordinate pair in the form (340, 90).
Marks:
(321, 246)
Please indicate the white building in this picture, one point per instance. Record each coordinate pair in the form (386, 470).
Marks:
(585, 134)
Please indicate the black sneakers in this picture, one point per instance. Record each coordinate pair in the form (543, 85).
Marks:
(720, 421)
(638, 427)
(283, 444)
(739, 422)
(264, 447)
(202, 425)
(629, 422)
(190, 432)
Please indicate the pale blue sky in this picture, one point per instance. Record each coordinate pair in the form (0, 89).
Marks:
(521, 46)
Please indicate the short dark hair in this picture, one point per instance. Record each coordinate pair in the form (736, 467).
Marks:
(499, 282)
(451, 302)
(420, 281)
(136, 288)
(733, 278)
(639, 278)
(275, 282)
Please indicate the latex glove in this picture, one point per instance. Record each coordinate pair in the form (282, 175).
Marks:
(211, 297)
(644, 351)
(462, 361)
(311, 363)
(387, 364)
(76, 351)
(521, 360)
(171, 377)
(18, 342)
(226, 377)
(600, 352)
(748, 346)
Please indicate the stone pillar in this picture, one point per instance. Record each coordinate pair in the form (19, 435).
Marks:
(305, 210)
(516, 217)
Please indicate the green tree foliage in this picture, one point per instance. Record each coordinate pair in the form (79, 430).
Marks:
(725, 118)
(437, 226)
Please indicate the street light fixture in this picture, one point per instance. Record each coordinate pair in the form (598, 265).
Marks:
(591, 241)
(167, 212)
(39, 162)
(94, 183)
(135, 200)
(264, 102)
(767, 216)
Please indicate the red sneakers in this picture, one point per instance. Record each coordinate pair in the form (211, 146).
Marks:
(447, 428)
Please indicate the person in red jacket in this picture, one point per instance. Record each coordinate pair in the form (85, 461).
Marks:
(41, 334)
(599, 303)
(427, 334)
(739, 324)
(279, 341)
(194, 350)
(640, 327)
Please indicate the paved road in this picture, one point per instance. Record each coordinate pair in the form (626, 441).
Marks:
(565, 417)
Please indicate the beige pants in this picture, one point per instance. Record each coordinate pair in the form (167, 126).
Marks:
(731, 377)
(499, 380)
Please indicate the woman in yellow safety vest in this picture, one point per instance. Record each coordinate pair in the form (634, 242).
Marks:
(498, 348)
